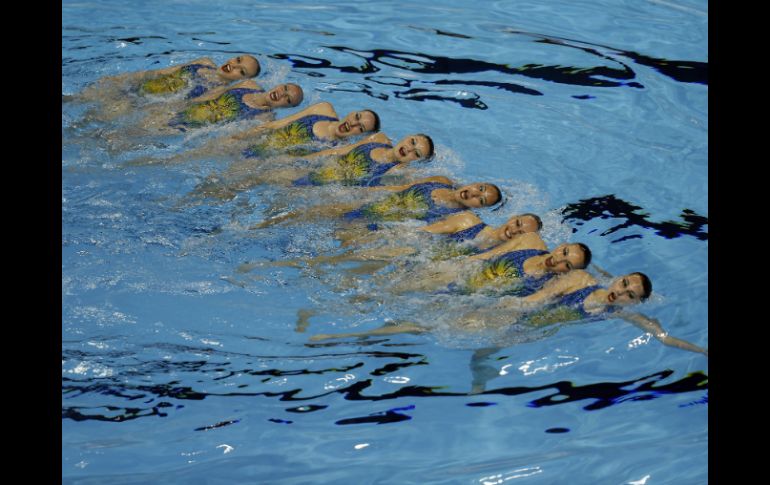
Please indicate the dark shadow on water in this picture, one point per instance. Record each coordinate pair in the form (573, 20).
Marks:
(155, 399)
(617, 74)
(610, 206)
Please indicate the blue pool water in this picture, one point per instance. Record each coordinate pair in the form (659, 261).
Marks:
(178, 368)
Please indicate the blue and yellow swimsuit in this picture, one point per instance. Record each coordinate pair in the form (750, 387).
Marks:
(467, 234)
(228, 106)
(179, 80)
(413, 203)
(506, 274)
(457, 244)
(568, 308)
(289, 139)
(354, 168)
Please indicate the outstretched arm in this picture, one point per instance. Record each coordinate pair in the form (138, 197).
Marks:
(653, 326)
(219, 147)
(390, 329)
(365, 255)
(453, 223)
(343, 150)
(556, 287)
(216, 92)
(310, 214)
(530, 240)
(140, 75)
(170, 69)
(397, 188)
(322, 108)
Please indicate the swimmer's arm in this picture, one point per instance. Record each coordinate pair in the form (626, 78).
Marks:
(108, 88)
(343, 150)
(556, 287)
(530, 240)
(217, 92)
(384, 330)
(213, 148)
(171, 69)
(551, 290)
(322, 108)
(398, 188)
(139, 75)
(273, 125)
(365, 255)
(339, 151)
(494, 252)
(202, 60)
(453, 223)
(310, 214)
(653, 327)
(135, 76)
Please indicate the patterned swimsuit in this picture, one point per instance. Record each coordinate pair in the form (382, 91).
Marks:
(467, 234)
(354, 168)
(226, 107)
(457, 244)
(413, 203)
(289, 139)
(179, 80)
(568, 308)
(506, 273)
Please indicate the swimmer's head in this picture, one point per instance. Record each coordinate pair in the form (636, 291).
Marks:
(285, 96)
(568, 256)
(414, 147)
(522, 224)
(240, 67)
(478, 195)
(629, 289)
(358, 122)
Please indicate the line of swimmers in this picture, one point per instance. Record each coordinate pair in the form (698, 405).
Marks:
(537, 285)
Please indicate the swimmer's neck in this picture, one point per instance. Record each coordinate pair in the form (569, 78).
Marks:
(386, 155)
(498, 234)
(488, 237)
(596, 302)
(446, 198)
(535, 265)
(257, 100)
(329, 129)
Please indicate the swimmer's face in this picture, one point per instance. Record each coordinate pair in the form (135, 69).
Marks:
(412, 148)
(285, 96)
(355, 123)
(477, 195)
(565, 258)
(626, 290)
(239, 67)
(517, 225)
